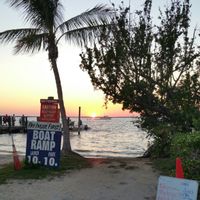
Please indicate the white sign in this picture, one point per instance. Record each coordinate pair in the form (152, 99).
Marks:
(44, 126)
(170, 188)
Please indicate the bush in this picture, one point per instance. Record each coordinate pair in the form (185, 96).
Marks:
(162, 135)
(187, 147)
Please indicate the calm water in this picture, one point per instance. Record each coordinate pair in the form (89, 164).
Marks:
(117, 137)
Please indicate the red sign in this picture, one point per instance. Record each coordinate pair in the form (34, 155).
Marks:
(49, 111)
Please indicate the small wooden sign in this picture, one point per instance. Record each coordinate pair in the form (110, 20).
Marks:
(170, 188)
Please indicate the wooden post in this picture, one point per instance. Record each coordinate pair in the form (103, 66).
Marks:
(79, 119)
(9, 124)
(26, 124)
(1, 120)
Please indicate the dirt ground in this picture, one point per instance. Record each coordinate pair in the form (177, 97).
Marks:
(108, 179)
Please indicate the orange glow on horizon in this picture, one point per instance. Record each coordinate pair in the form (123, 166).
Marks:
(93, 115)
(31, 107)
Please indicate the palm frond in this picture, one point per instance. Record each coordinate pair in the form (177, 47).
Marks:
(86, 35)
(98, 15)
(40, 13)
(13, 35)
(31, 43)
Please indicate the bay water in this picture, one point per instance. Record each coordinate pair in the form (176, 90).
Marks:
(115, 137)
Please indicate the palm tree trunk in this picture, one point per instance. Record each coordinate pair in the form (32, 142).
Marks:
(66, 148)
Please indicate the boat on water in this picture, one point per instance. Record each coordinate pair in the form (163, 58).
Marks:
(105, 117)
(82, 128)
(75, 127)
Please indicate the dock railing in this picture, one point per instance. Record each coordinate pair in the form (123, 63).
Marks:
(13, 124)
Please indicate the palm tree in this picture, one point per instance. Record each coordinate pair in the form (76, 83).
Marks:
(47, 28)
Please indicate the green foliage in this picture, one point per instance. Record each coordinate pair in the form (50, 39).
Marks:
(187, 147)
(150, 68)
(162, 135)
(166, 166)
(196, 123)
(191, 169)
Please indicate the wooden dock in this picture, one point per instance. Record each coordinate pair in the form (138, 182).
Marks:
(13, 124)
(12, 129)
(18, 124)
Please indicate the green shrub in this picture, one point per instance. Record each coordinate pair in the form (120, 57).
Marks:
(162, 135)
(187, 147)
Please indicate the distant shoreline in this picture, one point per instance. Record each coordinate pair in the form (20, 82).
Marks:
(77, 116)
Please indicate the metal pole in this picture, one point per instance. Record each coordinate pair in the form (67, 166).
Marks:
(79, 119)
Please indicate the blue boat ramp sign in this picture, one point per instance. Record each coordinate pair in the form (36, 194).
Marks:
(43, 143)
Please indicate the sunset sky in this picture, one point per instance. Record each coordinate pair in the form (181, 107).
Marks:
(25, 79)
